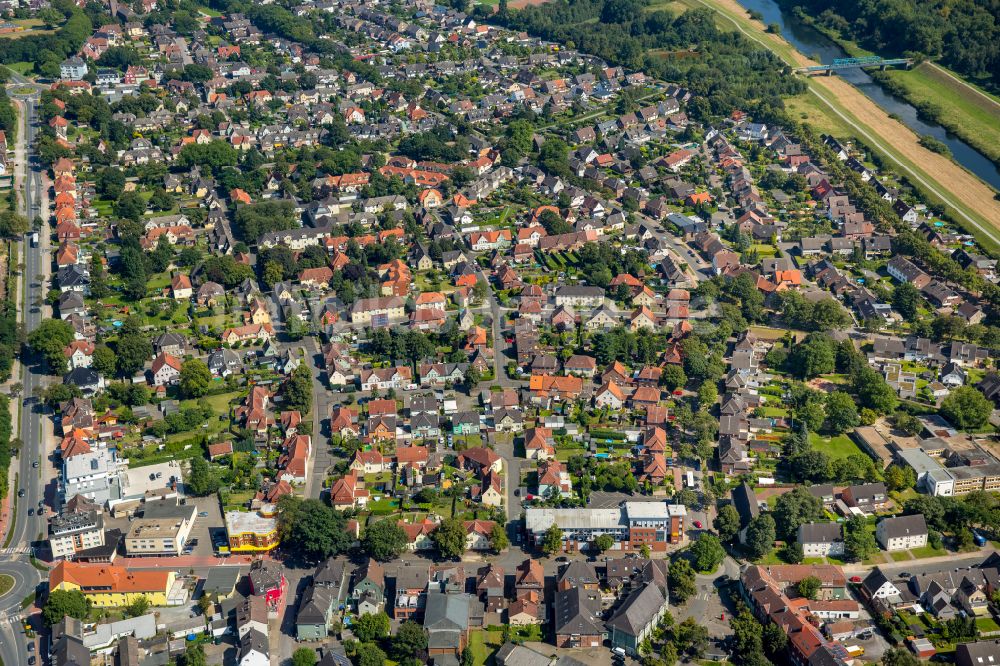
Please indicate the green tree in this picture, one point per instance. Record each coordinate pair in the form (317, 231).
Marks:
(201, 479)
(727, 522)
(138, 607)
(899, 657)
(793, 509)
(674, 377)
(195, 379)
(809, 586)
(967, 408)
(873, 391)
(371, 654)
(298, 389)
(707, 553)
(371, 627)
(859, 542)
(311, 529)
(906, 300)
(900, 477)
(552, 540)
(707, 395)
(131, 206)
(304, 657)
(498, 538)
(841, 413)
(194, 655)
(690, 637)
(62, 603)
(449, 538)
(104, 361)
(132, 350)
(603, 543)
(760, 536)
(49, 340)
(384, 540)
(13, 225)
(681, 580)
(813, 357)
(410, 639)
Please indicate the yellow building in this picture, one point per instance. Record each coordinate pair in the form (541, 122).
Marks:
(251, 532)
(112, 586)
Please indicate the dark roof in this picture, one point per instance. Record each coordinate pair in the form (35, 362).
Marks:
(254, 640)
(980, 653)
(221, 579)
(901, 526)
(745, 501)
(315, 605)
(637, 611)
(579, 573)
(330, 573)
(446, 618)
(576, 612)
(820, 533)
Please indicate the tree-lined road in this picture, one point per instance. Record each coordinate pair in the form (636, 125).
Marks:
(24, 530)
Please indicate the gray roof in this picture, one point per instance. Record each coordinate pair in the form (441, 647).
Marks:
(256, 641)
(315, 605)
(980, 653)
(820, 533)
(511, 654)
(579, 573)
(330, 573)
(638, 610)
(446, 618)
(745, 501)
(221, 579)
(576, 612)
(902, 526)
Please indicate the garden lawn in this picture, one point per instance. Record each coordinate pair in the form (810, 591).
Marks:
(482, 645)
(987, 625)
(837, 447)
(900, 556)
(928, 551)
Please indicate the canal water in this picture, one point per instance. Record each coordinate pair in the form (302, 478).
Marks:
(812, 43)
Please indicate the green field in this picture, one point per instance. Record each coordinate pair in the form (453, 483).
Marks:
(840, 446)
(972, 116)
(22, 68)
(806, 108)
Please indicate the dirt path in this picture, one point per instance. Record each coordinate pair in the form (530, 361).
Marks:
(950, 182)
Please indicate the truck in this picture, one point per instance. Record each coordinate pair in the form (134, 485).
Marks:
(690, 479)
(855, 651)
(34, 239)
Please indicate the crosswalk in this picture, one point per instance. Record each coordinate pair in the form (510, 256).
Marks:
(15, 550)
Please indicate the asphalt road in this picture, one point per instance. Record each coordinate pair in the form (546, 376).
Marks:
(26, 529)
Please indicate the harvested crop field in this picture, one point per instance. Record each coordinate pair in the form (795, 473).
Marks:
(521, 4)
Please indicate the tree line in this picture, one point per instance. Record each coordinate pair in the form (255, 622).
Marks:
(965, 34)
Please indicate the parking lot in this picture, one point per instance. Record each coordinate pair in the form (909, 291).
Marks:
(213, 518)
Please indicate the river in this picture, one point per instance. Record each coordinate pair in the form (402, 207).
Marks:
(814, 44)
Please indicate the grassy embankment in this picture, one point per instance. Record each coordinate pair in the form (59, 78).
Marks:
(832, 102)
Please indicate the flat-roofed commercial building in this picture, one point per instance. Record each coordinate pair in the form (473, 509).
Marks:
(160, 535)
(633, 525)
